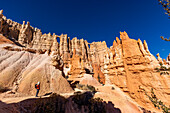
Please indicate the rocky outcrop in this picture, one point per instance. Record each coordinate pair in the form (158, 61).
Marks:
(130, 65)
(25, 34)
(9, 28)
(165, 63)
(159, 59)
(90, 80)
(21, 70)
(98, 74)
(77, 67)
(30, 37)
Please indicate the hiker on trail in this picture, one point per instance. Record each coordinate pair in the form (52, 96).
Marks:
(37, 86)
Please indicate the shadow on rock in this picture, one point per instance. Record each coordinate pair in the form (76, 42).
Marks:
(78, 103)
(48, 94)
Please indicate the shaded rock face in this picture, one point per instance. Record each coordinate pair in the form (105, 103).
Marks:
(127, 64)
(81, 103)
(8, 27)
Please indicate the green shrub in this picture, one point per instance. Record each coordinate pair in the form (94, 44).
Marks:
(156, 102)
(86, 87)
(158, 70)
(113, 88)
(163, 73)
(160, 64)
(163, 68)
(91, 88)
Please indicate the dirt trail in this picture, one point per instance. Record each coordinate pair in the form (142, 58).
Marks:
(12, 98)
(15, 99)
(108, 93)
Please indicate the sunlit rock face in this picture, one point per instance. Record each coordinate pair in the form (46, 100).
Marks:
(131, 66)
(21, 69)
(128, 63)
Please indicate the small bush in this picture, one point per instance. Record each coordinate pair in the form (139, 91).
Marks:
(156, 102)
(158, 70)
(163, 70)
(165, 73)
(160, 64)
(91, 88)
(86, 87)
(113, 88)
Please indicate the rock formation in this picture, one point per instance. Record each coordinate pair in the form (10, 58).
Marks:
(166, 62)
(77, 68)
(22, 69)
(128, 63)
(159, 58)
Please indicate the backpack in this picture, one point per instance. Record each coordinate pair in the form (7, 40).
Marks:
(35, 85)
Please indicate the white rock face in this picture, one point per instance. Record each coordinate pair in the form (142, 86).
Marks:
(22, 70)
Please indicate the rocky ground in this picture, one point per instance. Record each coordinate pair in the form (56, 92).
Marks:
(110, 94)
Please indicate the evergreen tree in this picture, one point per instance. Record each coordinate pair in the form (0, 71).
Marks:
(166, 6)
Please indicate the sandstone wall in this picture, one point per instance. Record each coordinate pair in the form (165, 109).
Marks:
(130, 66)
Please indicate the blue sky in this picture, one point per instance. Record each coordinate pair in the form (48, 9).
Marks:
(96, 20)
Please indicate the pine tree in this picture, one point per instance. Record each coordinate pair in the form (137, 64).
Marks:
(166, 6)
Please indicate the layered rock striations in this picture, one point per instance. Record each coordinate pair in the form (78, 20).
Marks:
(128, 63)
(20, 70)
